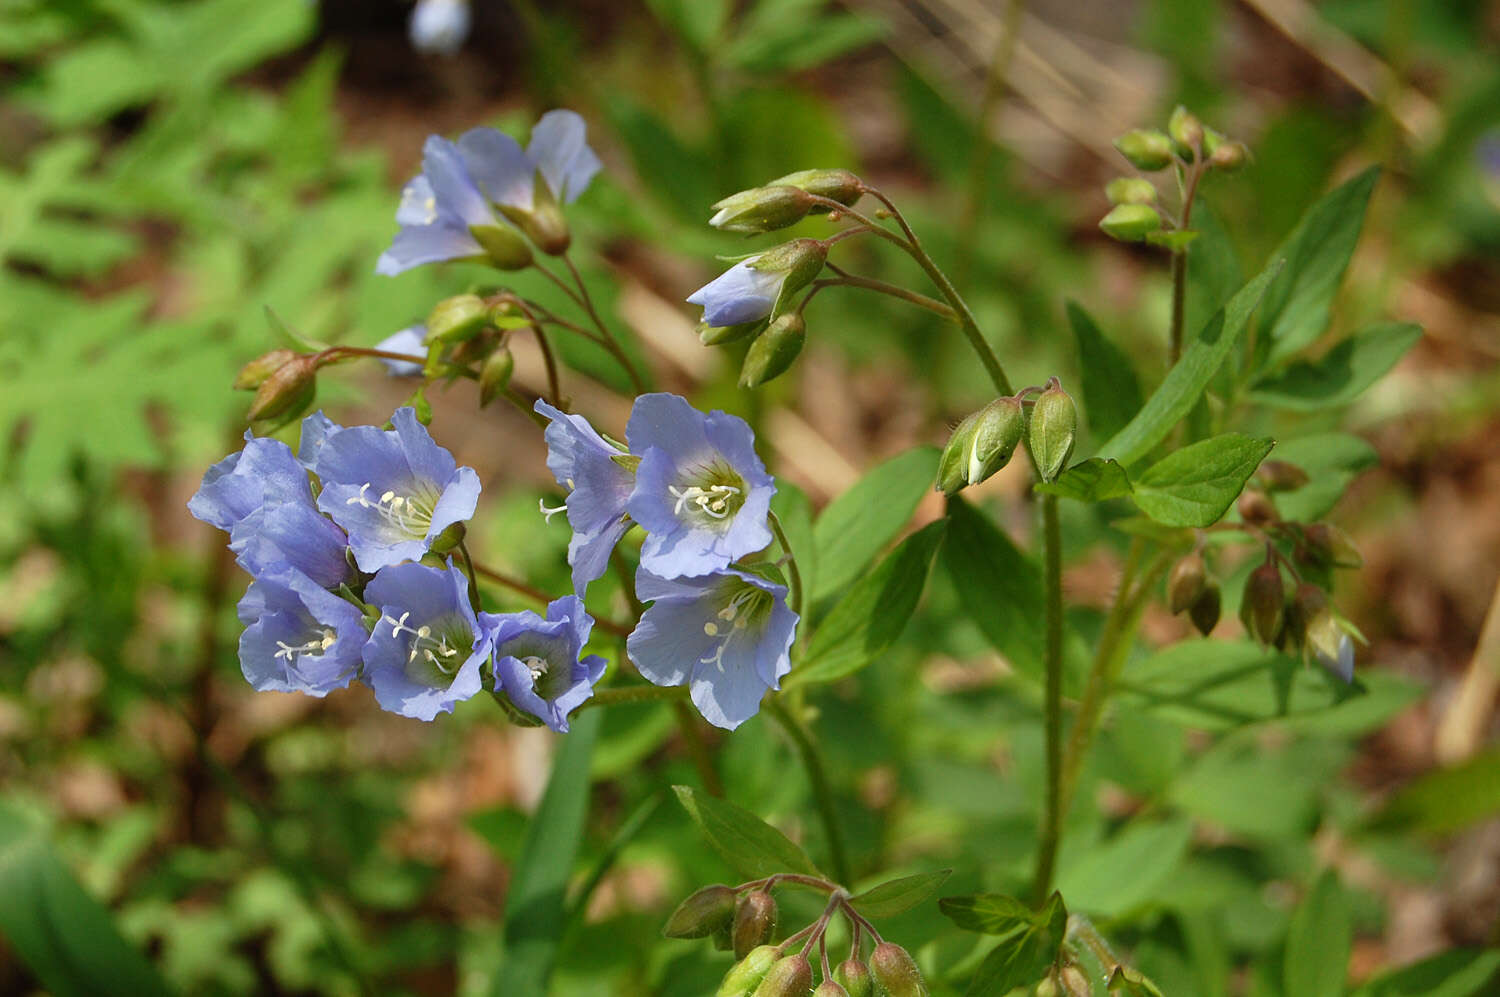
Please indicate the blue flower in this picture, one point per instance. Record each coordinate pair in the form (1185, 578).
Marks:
(558, 150)
(740, 294)
(439, 26)
(292, 535)
(701, 493)
(428, 648)
(537, 661)
(299, 637)
(598, 483)
(413, 341)
(727, 635)
(393, 491)
(264, 472)
(440, 209)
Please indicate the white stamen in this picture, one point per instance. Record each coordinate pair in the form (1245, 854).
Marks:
(420, 636)
(401, 511)
(315, 646)
(537, 666)
(713, 500)
(548, 513)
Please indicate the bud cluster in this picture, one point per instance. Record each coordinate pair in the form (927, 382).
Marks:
(985, 440)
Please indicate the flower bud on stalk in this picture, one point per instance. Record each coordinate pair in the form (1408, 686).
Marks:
(254, 373)
(1279, 476)
(718, 335)
(830, 988)
(456, 319)
(1130, 222)
(285, 394)
(854, 976)
(981, 445)
(895, 972)
(746, 975)
(1331, 545)
(1229, 157)
(1329, 641)
(836, 185)
(774, 350)
(702, 913)
(1187, 582)
(1074, 983)
(1256, 508)
(800, 260)
(754, 922)
(495, 375)
(1130, 190)
(1306, 603)
(504, 249)
(1204, 612)
(762, 209)
(1186, 130)
(1263, 602)
(1054, 427)
(791, 976)
(1147, 149)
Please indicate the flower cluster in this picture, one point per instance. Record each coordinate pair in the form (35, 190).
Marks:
(342, 585)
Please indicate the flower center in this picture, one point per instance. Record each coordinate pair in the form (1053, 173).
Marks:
(317, 645)
(434, 652)
(410, 515)
(712, 501)
(746, 606)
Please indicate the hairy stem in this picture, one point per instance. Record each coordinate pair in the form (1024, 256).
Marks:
(822, 793)
(794, 595)
(1052, 708)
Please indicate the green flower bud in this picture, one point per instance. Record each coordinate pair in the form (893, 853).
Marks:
(1328, 638)
(896, 974)
(754, 922)
(284, 395)
(829, 988)
(745, 975)
(1054, 427)
(762, 209)
(854, 976)
(981, 445)
(254, 373)
(1186, 130)
(1186, 583)
(1331, 546)
(702, 913)
(1263, 602)
(718, 335)
(543, 223)
(494, 376)
(1130, 222)
(503, 246)
(1306, 603)
(836, 185)
(774, 350)
(1046, 988)
(456, 319)
(1257, 508)
(1075, 983)
(450, 538)
(1147, 149)
(1204, 612)
(1279, 476)
(791, 976)
(1130, 190)
(800, 259)
(1229, 157)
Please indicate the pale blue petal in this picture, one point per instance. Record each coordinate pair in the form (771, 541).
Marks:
(559, 148)
(498, 166)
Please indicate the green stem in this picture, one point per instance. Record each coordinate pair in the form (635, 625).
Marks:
(794, 594)
(822, 792)
(611, 343)
(616, 695)
(1179, 265)
(693, 738)
(532, 592)
(463, 550)
(846, 279)
(1052, 708)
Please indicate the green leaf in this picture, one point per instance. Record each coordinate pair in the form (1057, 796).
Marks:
(1343, 373)
(64, 936)
(1317, 253)
(699, 22)
(1184, 385)
(1331, 460)
(999, 587)
(752, 847)
(1195, 485)
(860, 522)
(1030, 940)
(1127, 871)
(1446, 800)
(894, 896)
(988, 913)
(1317, 945)
(873, 614)
(1213, 269)
(1094, 480)
(1111, 393)
(1455, 973)
(534, 907)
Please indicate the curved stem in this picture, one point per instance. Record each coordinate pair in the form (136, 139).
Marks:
(612, 344)
(822, 792)
(463, 550)
(615, 695)
(532, 592)
(1052, 709)
(554, 391)
(846, 279)
(794, 596)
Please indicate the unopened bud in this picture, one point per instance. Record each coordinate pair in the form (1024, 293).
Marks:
(745, 975)
(1054, 427)
(546, 226)
(762, 209)
(1185, 129)
(1188, 580)
(1046, 988)
(504, 249)
(754, 922)
(1331, 545)
(800, 259)
(1279, 476)
(854, 976)
(830, 988)
(254, 373)
(1306, 603)
(456, 319)
(1074, 982)
(1130, 222)
(285, 394)
(895, 972)
(1130, 190)
(1146, 148)
(791, 976)
(836, 185)
(774, 350)
(1257, 508)
(981, 445)
(451, 537)
(506, 312)
(1204, 612)
(494, 376)
(1263, 602)
(718, 335)
(1229, 157)
(702, 913)
(1329, 641)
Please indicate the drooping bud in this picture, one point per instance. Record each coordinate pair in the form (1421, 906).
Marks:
(1329, 641)
(1185, 129)
(1130, 222)
(800, 260)
(762, 209)
(254, 373)
(981, 445)
(854, 976)
(702, 913)
(746, 975)
(544, 224)
(1306, 603)
(1130, 190)
(1046, 988)
(718, 335)
(285, 394)
(1228, 156)
(1263, 602)
(774, 350)
(1331, 546)
(791, 976)
(1146, 148)
(1187, 582)
(830, 988)
(1053, 429)
(503, 246)
(1204, 612)
(836, 185)
(1257, 508)
(456, 319)
(494, 376)
(1279, 476)
(754, 922)
(895, 972)
(1074, 982)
